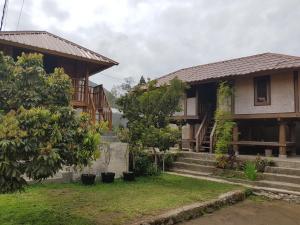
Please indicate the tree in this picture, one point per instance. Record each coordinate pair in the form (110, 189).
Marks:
(148, 112)
(142, 81)
(39, 131)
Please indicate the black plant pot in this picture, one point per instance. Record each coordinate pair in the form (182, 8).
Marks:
(128, 176)
(108, 177)
(88, 179)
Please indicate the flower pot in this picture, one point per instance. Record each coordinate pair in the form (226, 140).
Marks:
(128, 176)
(268, 152)
(88, 179)
(108, 177)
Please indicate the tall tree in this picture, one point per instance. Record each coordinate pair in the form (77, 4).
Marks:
(39, 130)
(142, 81)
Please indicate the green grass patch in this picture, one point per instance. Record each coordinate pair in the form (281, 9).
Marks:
(117, 203)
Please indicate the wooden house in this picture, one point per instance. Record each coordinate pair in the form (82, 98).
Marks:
(78, 62)
(264, 105)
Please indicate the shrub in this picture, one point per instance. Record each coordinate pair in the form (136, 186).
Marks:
(169, 160)
(250, 171)
(261, 164)
(144, 165)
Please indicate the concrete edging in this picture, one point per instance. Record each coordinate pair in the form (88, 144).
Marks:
(195, 210)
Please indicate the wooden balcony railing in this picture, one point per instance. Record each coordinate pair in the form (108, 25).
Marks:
(92, 100)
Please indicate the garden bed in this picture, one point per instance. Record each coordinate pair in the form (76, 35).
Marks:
(116, 203)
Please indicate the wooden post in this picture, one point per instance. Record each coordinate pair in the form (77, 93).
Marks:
(86, 86)
(282, 139)
(293, 137)
(235, 138)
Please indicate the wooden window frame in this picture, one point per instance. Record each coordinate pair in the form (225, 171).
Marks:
(268, 100)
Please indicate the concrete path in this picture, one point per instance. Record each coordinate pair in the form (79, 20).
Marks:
(253, 212)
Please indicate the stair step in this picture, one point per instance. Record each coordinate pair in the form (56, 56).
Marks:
(196, 161)
(190, 172)
(279, 185)
(282, 178)
(282, 170)
(288, 163)
(194, 167)
(198, 155)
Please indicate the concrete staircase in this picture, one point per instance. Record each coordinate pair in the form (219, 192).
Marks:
(284, 175)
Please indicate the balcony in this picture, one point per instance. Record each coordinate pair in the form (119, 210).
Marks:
(91, 100)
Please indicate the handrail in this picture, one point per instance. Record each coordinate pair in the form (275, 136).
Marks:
(212, 138)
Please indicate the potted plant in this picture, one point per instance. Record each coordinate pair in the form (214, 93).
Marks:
(88, 178)
(107, 177)
(123, 136)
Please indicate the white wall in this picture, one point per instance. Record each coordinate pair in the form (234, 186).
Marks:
(282, 95)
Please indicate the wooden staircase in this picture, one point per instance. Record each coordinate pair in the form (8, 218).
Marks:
(205, 136)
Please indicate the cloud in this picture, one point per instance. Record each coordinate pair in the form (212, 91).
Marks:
(152, 38)
(51, 9)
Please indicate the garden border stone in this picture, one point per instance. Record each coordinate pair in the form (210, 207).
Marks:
(195, 210)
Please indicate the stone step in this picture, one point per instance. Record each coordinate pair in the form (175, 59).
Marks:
(282, 178)
(197, 161)
(198, 155)
(194, 167)
(279, 185)
(282, 170)
(190, 172)
(288, 163)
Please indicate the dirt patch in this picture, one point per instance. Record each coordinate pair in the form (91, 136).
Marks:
(253, 212)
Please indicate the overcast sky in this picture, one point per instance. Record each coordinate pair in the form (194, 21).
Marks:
(155, 37)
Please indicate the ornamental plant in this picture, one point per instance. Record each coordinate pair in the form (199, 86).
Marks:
(223, 119)
(39, 130)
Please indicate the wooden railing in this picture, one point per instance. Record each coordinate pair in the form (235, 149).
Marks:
(202, 131)
(92, 100)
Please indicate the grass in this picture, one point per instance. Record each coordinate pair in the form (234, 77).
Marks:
(117, 203)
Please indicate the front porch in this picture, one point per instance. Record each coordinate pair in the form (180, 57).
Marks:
(91, 99)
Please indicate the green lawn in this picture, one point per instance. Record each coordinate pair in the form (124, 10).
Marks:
(117, 203)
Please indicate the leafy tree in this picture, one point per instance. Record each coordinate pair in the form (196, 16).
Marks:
(148, 112)
(39, 131)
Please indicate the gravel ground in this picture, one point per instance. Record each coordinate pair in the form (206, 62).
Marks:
(253, 211)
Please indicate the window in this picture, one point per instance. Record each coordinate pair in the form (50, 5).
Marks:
(262, 91)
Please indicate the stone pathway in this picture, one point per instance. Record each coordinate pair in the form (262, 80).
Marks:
(253, 211)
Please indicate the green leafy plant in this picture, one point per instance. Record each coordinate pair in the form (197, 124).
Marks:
(250, 171)
(224, 123)
(148, 109)
(39, 131)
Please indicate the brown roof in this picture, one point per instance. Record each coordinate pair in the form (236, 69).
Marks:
(45, 41)
(234, 67)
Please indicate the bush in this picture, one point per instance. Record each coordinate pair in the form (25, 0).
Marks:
(261, 164)
(144, 165)
(250, 171)
(169, 160)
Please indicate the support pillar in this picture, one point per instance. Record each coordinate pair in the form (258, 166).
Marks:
(282, 139)
(235, 138)
(293, 138)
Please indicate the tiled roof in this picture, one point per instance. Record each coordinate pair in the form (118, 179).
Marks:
(45, 41)
(234, 67)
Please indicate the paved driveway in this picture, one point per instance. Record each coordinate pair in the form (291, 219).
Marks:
(253, 212)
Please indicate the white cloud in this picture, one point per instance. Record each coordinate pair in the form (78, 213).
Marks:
(152, 38)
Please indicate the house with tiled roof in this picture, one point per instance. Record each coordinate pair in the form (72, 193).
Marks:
(77, 61)
(264, 104)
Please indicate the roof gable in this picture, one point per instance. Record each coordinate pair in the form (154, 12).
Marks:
(44, 40)
(233, 67)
